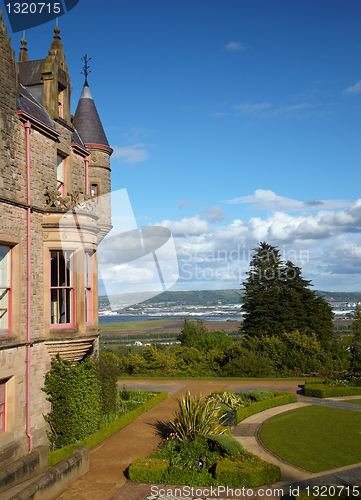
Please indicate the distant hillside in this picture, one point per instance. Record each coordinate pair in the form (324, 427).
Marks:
(188, 298)
(217, 297)
(341, 296)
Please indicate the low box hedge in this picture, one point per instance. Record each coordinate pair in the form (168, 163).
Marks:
(246, 470)
(148, 470)
(56, 456)
(280, 398)
(323, 391)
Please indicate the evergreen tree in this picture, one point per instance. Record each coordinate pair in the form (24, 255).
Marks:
(262, 298)
(356, 331)
(278, 299)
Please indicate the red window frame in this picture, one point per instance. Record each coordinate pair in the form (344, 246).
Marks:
(62, 292)
(94, 190)
(88, 282)
(2, 405)
(6, 291)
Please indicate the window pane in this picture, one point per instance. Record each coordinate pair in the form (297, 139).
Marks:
(5, 286)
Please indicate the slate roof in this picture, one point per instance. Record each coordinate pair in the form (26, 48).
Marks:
(87, 121)
(30, 72)
(30, 105)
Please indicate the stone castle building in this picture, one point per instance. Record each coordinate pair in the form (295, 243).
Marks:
(53, 167)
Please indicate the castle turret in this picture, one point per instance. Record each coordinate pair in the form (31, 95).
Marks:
(90, 129)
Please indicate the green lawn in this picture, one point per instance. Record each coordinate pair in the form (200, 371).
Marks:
(315, 438)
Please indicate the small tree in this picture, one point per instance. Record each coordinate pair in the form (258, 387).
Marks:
(195, 334)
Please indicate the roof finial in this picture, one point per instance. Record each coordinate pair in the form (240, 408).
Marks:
(23, 56)
(86, 69)
(57, 31)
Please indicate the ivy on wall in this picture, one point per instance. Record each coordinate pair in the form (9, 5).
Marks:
(74, 391)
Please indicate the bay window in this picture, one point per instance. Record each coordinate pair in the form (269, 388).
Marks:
(62, 287)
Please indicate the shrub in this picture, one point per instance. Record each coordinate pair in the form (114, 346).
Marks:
(280, 398)
(322, 391)
(197, 417)
(226, 445)
(108, 375)
(246, 470)
(259, 395)
(148, 470)
(74, 393)
(233, 401)
(110, 429)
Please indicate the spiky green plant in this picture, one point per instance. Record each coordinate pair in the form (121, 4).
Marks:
(197, 417)
(229, 399)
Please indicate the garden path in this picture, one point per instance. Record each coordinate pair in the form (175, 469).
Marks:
(108, 461)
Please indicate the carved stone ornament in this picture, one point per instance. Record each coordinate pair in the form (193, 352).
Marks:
(94, 157)
(77, 199)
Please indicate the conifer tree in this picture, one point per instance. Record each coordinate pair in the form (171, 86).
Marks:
(278, 299)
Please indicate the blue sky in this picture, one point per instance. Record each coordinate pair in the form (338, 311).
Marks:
(232, 122)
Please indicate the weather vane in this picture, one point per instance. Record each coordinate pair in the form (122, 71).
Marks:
(86, 69)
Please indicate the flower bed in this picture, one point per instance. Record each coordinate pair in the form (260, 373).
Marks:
(205, 455)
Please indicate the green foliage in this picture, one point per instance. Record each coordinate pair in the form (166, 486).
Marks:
(259, 395)
(195, 334)
(247, 470)
(280, 398)
(322, 391)
(356, 324)
(230, 400)
(107, 367)
(278, 299)
(197, 417)
(148, 470)
(75, 395)
(99, 436)
(226, 445)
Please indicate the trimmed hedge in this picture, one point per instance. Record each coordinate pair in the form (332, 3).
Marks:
(246, 470)
(280, 398)
(322, 391)
(227, 444)
(56, 456)
(148, 470)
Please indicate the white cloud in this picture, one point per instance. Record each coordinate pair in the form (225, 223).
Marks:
(215, 214)
(184, 204)
(131, 154)
(326, 244)
(192, 226)
(265, 199)
(236, 46)
(353, 89)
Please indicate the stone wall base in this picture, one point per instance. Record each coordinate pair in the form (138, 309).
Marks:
(55, 480)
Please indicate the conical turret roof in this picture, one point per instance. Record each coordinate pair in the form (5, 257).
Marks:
(87, 121)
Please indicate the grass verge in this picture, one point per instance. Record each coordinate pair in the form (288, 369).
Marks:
(315, 438)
